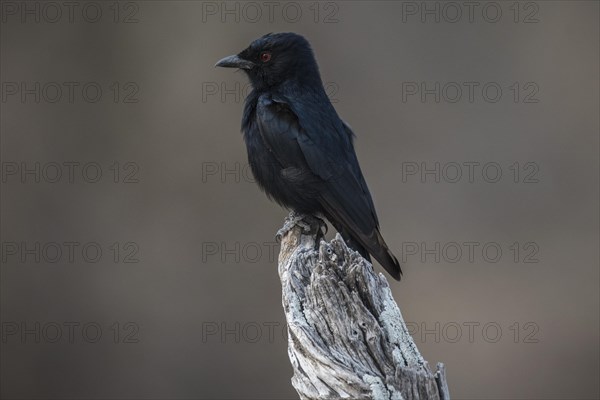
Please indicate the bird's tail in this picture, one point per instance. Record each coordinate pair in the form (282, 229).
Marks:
(382, 253)
(376, 246)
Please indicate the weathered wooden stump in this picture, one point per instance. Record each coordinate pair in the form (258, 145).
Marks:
(346, 335)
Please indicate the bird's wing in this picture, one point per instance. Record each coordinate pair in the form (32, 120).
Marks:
(322, 143)
(358, 173)
(304, 136)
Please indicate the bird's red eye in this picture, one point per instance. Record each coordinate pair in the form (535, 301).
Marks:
(265, 56)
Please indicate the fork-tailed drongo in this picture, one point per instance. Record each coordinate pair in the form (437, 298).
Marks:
(300, 152)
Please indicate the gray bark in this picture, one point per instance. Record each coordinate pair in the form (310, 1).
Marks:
(346, 335)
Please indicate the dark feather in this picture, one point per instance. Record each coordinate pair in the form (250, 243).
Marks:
(300, 152)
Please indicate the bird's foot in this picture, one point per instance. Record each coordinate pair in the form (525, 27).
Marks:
(291, 221)
(305, 221)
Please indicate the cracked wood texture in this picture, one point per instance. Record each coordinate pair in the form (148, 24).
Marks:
(346, 335)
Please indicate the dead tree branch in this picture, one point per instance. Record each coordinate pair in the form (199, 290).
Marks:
(346, 335)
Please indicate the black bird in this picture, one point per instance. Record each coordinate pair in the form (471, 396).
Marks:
(300, 152)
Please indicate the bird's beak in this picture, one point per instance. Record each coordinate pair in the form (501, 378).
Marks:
(234, 62)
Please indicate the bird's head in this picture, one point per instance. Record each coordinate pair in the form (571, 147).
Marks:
(274, 59)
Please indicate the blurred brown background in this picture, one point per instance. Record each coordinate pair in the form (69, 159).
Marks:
(199, 314)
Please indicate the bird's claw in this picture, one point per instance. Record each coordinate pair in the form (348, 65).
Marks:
(292, 220)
